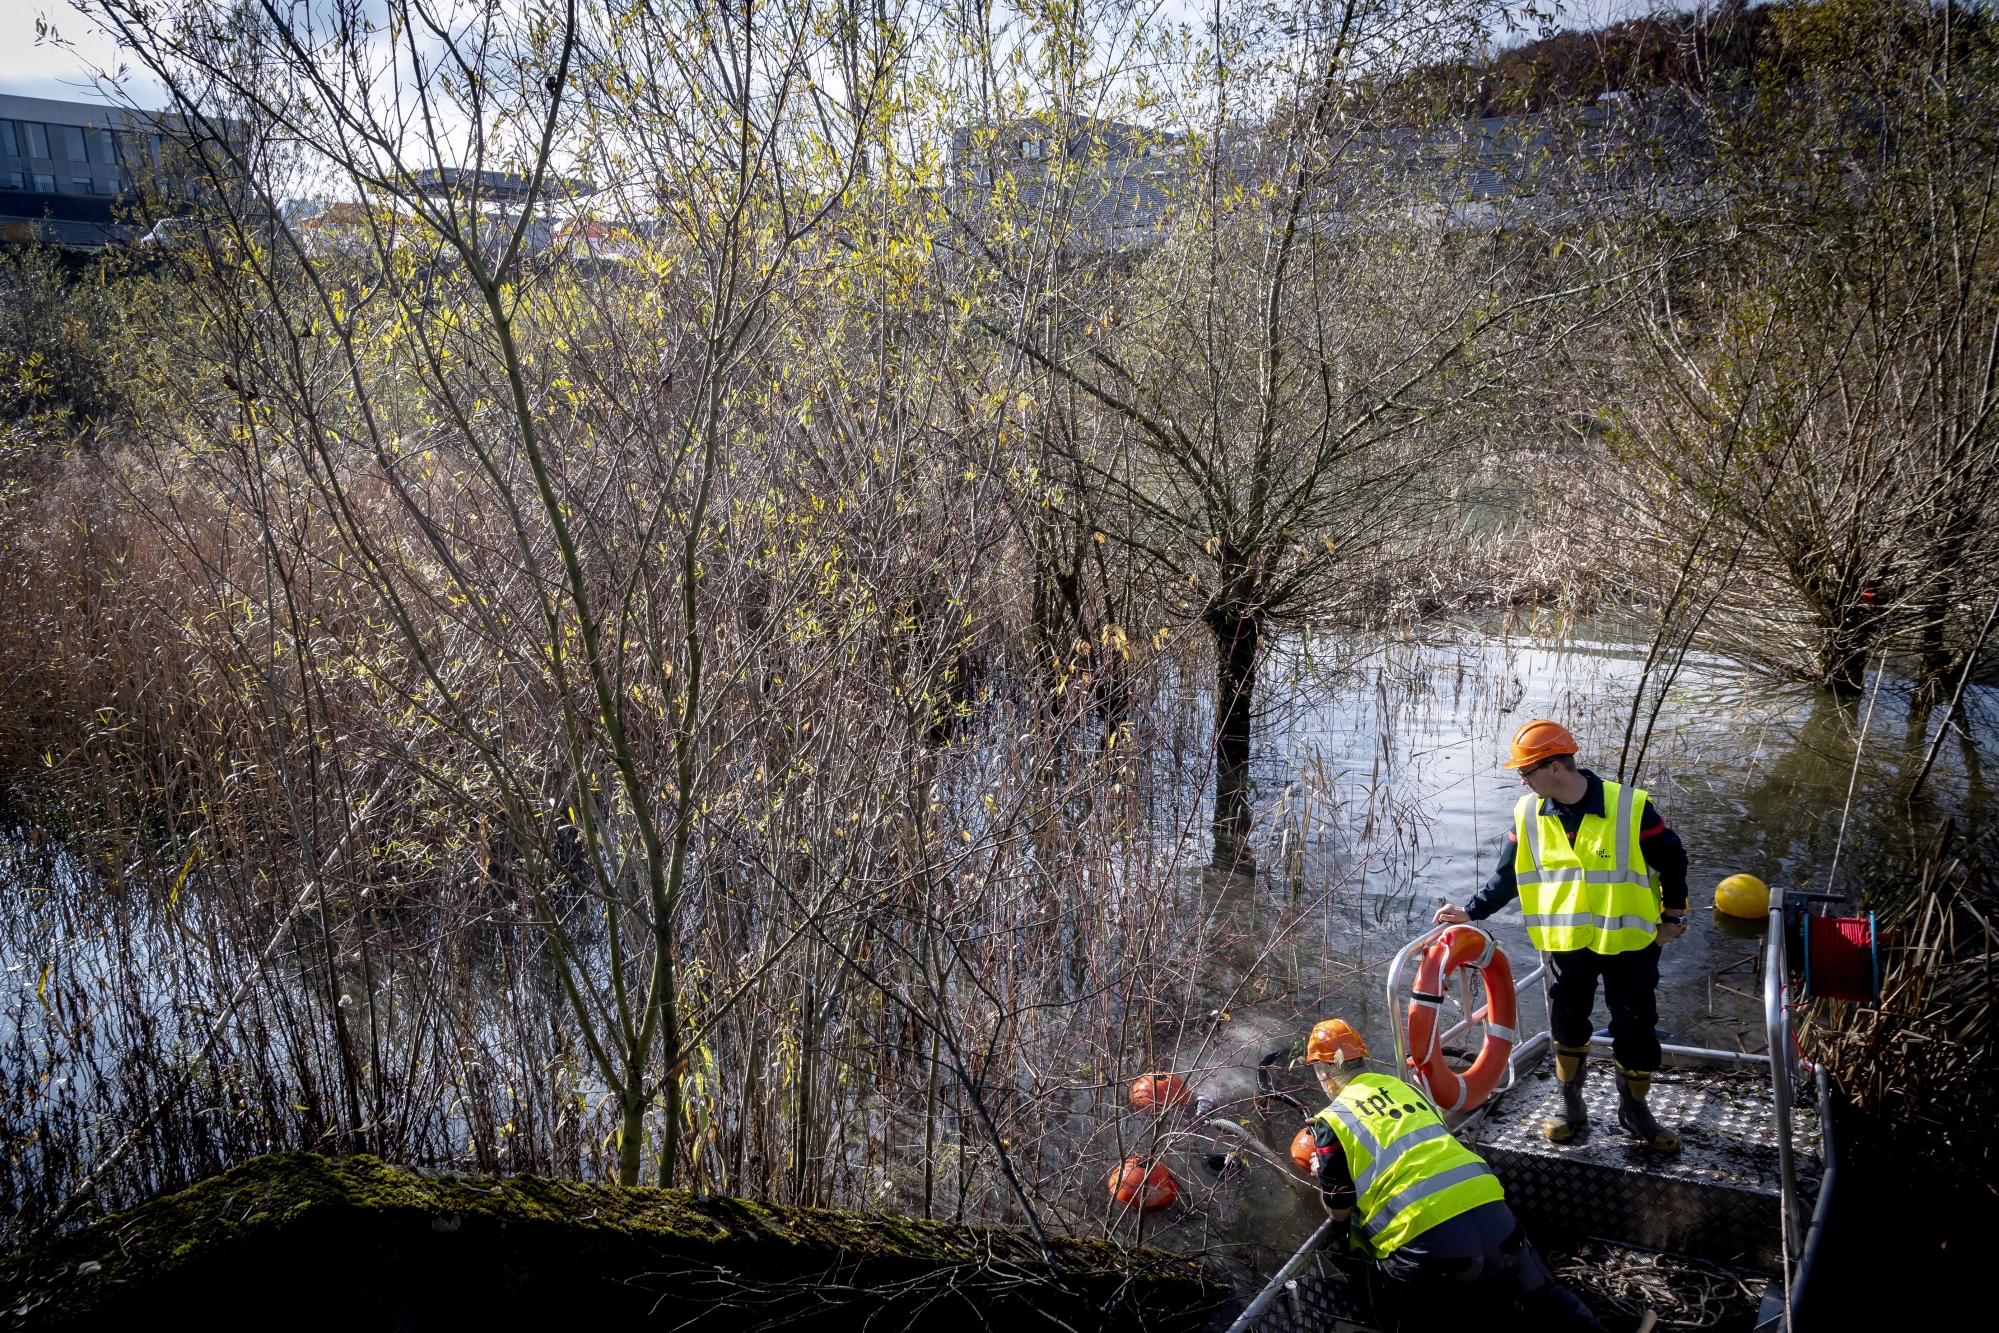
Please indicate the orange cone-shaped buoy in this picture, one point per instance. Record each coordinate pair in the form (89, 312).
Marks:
(1301, 1150)
(1159, 1092)
(1134, 1186)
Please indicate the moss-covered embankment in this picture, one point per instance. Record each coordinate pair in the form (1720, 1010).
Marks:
(297, 1239)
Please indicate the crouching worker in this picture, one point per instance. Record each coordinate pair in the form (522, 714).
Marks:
(1418, 1202)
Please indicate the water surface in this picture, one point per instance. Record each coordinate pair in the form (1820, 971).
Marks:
(1379, 771)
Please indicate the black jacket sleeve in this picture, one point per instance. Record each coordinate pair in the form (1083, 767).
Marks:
(1329, 1161)
(1665, 854)
(1501, 886)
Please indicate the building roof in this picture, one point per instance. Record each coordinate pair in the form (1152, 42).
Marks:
(87, 115)
(496, 187)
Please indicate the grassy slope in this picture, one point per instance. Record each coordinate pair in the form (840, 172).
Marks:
(390, 1233)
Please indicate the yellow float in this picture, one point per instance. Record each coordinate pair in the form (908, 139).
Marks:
(1742, 896)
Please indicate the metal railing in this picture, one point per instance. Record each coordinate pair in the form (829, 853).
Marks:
(1297, 1264)
(1785, 1060)
(1398, 1018)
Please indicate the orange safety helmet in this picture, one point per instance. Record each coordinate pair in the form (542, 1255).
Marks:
(1538, 740)
(1332, 1040)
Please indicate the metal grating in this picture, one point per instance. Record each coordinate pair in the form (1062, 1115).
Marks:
(1718, 1198)
(1329, 1297)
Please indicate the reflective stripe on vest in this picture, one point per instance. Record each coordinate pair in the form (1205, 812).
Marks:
(1380, 1160)
(1598, 893)
(1427, 1188)
(1409, 1172)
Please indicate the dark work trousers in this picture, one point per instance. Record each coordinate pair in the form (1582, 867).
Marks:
(1476, 1264)
(1630, 988)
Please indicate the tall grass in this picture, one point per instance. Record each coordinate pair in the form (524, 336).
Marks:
(1008, 880)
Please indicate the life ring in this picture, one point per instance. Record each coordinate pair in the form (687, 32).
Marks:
(1462, 946)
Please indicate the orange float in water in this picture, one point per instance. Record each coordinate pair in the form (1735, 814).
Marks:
(1132, 1180)
(1159, 1092)
(1301, 1150)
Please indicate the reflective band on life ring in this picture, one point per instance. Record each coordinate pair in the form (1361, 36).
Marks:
(1462, 946)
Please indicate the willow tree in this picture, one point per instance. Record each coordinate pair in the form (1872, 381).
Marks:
(1814, 408)
(1289, 332)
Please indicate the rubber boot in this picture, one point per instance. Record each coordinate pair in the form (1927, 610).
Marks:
(1569, 1120)
(1633, 1086)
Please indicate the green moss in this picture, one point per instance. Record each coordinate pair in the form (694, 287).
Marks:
(531, 1234)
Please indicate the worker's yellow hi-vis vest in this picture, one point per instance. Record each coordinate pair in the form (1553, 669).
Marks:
(1409, 1172)
(1595, 892)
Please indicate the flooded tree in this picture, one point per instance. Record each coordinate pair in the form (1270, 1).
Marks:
(1288, 343)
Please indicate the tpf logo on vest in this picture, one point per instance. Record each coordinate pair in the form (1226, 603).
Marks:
(1381, 1103)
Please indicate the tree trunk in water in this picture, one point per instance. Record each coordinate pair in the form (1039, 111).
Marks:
(1935, 662)
(1236, 643)
(1843, 661)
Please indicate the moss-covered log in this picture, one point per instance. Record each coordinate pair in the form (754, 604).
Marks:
(297, 1238)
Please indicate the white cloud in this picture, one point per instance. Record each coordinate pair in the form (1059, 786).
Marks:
(33, 66)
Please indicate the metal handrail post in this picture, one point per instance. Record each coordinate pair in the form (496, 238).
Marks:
(1776, 1026)
(1394, 987)
(1247, 1319)
(1777, 1031)
(1547, 971)
(1695, 1052)
(1829, 1158)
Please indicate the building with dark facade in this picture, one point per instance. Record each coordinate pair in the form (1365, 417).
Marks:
(64, 167)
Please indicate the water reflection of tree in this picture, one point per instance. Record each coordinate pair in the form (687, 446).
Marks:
(1784, 827)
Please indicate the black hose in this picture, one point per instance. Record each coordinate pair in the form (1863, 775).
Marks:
(1267, 1092)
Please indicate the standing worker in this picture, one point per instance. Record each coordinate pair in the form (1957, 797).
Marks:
(1602, 884)
(1418, 1202)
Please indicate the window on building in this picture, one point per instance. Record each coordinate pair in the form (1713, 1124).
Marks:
(37, 139)
(10, 180)
(137, 153)
(82, 185)
(10, 143)
(46, 184)
(103, 148)
(72, 142)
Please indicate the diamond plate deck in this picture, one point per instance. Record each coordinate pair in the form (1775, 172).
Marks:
(1717, 1198)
